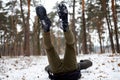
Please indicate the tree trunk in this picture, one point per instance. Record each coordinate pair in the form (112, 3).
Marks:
(110, 34)
(26, 29)
(101, 49)
(4, 43)
(108, 24)
(38, 45)
(14, 35)
(84, 46)
(73, 26)
(58, 43)
(27, 34)
(36, 39)
(1, 45)
(114, 14)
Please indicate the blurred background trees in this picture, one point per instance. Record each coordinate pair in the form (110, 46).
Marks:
(95, 23)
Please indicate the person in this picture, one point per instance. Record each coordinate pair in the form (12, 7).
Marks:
(66, 68)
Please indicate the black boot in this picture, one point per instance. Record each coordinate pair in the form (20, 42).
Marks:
(63, 15)
(84, 64)
(45, 21)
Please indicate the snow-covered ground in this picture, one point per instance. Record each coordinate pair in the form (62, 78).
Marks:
(105, 67)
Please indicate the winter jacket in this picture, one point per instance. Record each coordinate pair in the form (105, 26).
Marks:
(73, 75)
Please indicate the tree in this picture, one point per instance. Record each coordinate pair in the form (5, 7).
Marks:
(105, 7)
(36, 37)
(9, 28)
(84, 29)
(73, 22)
(114, 14)
(95, 21)
(26, 28)
(0, 43)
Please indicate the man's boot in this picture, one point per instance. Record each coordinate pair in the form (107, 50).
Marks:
(84, 64)
(63, 15)
(45, 21)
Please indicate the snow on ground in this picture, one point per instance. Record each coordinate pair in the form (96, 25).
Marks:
(105, 67)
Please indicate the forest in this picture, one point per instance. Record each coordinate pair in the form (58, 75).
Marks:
(96, 27)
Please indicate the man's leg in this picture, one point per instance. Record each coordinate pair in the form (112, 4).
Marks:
(69, 62)
(53, 58)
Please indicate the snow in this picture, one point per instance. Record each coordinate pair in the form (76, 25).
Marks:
(105, 67)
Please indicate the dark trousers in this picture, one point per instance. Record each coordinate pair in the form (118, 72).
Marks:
(69, 62)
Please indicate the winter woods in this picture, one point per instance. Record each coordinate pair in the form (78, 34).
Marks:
(96, 27)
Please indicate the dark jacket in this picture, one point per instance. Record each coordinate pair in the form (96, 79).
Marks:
(73, 75)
